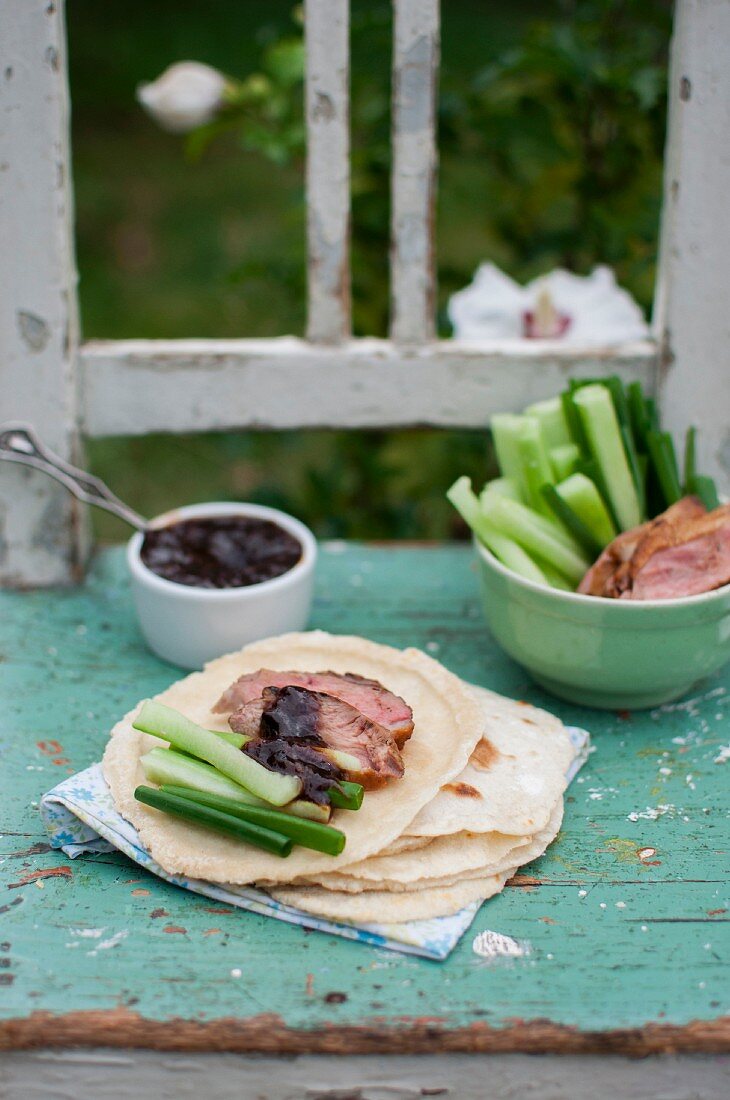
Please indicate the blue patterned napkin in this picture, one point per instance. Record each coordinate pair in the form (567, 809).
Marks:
(80, 817)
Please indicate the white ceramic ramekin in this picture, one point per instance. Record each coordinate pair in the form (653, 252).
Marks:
(189, 626)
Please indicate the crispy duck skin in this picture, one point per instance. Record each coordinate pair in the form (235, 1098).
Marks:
(682, 552)
(368, 696)
(600, 575)
(338, 726)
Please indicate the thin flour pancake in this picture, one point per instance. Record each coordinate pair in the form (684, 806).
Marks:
(446, 860)
(513, 779)
(447, 726)
(406, 844)
(383, 907)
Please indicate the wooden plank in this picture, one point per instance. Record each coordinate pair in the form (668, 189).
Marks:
(136, 386)
(111, 1074)
(328, 169)
(415, 78)
(693, 313)
(628, 947)
(41, 538)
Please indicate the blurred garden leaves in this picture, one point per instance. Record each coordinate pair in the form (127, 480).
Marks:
(567, 129)
(551, 130)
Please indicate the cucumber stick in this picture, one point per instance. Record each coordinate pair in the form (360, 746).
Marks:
(238, 740)
(553, 425)
(564, 460)
(581, 495)
(535, 464)
(547, 523)
(505, 486)
(504, 549)
(600, 423)
(582, 534)
(520, 524)
(505, 432)
(168, 767)
(168, 724)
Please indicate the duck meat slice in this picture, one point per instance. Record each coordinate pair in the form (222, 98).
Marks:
(699, 562)
(613, 573)
(601, 575)
(368, 696)
(290, 724)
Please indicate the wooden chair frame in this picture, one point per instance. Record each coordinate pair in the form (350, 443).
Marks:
(73, 390)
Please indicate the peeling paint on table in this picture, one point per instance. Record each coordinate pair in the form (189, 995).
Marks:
(623, 924)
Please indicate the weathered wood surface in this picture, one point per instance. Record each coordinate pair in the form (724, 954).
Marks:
(626, 915)
(131, 387)
(692, 300)
(416, 42)
(41, 540)
(327, 25)
(104, 1074)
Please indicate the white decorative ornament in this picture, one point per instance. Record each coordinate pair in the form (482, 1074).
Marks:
(186, 95)
(575, 309)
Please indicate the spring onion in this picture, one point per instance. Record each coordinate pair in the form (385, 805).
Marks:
(198, 814)
(346, 795)
(661, 453)
(704, 488)
(690, 456)
(310, 834)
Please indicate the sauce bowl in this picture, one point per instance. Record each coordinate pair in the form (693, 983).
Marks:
(188, 626)
(597, 652)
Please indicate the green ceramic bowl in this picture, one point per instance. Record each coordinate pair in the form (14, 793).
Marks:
(614, 654)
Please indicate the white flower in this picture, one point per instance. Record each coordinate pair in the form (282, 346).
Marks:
(574, 309)
(185, 96)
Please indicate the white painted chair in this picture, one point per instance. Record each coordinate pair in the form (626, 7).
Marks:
(72, 390)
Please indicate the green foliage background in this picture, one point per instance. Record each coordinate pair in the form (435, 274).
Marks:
(551, 121)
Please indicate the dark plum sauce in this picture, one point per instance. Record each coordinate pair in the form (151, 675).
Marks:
(290, 743)
(220, 551)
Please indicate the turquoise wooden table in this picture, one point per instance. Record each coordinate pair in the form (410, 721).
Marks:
(626, 916)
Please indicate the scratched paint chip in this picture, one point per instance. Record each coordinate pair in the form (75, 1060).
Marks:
(495, 945)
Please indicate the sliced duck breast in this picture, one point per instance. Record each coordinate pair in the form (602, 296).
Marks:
(314, 721)
(613, 573)
(373, 700)
(699, 564)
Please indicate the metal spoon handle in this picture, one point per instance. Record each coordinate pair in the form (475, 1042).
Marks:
(19, 443)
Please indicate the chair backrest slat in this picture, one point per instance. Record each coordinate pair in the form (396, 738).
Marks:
(41, 526)
(328, 169)
(415, 79)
